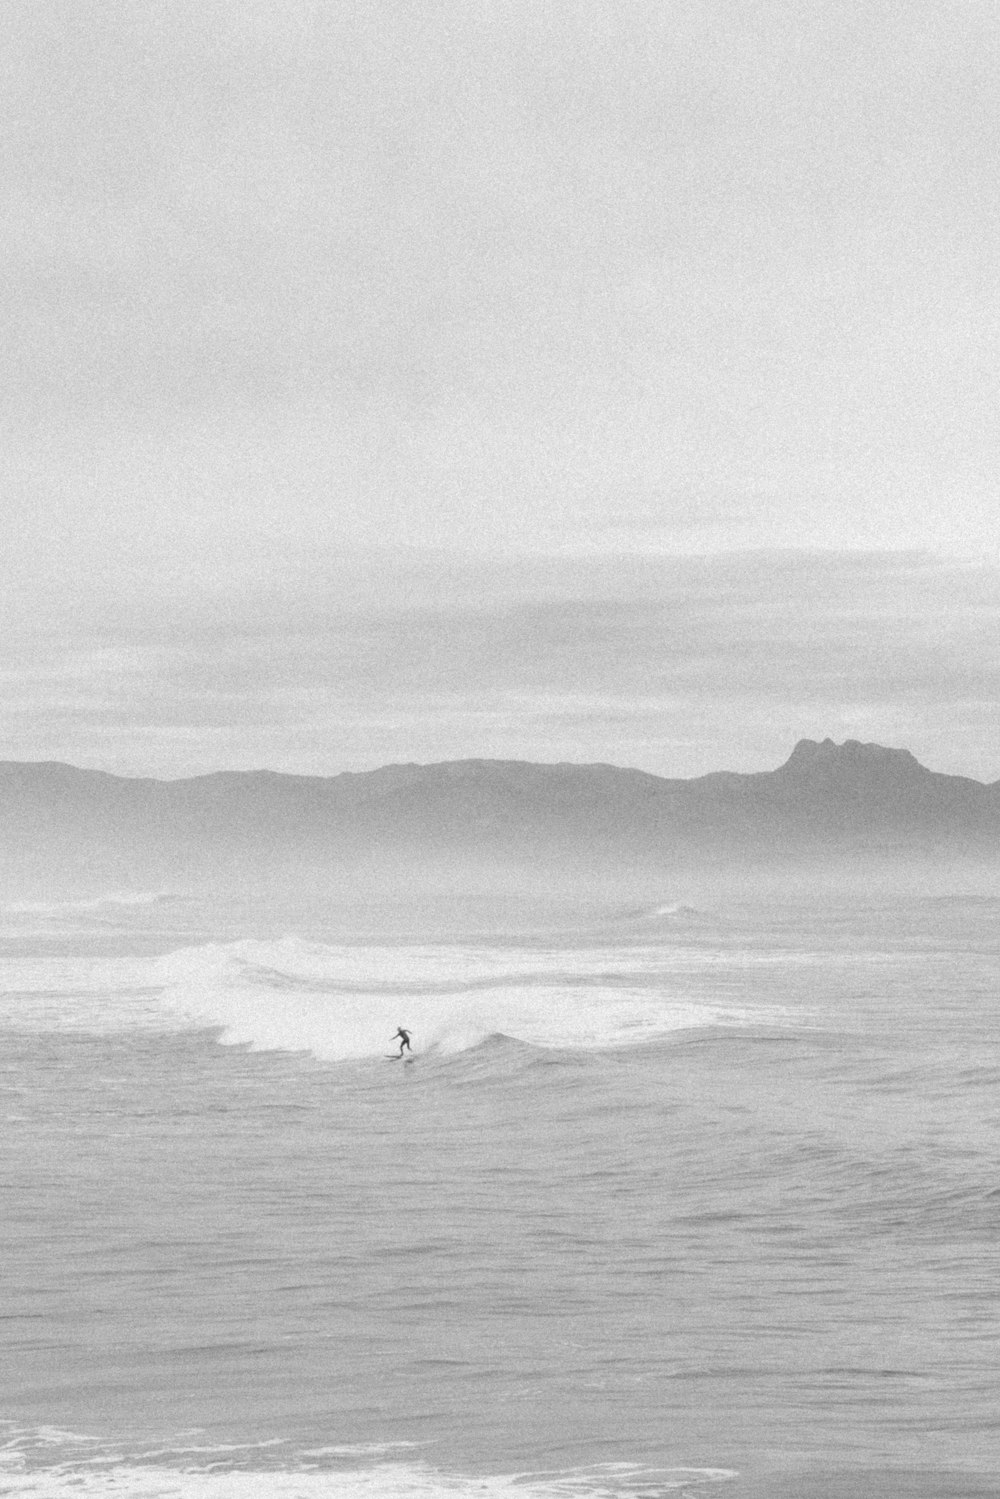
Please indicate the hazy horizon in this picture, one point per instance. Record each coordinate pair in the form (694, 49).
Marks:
(267, 770)
(829, 818)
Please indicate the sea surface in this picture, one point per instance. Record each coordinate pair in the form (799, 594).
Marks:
(671, 1201)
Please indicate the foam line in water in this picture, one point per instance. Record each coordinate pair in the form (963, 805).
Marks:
(139, 1480)
(86, 903)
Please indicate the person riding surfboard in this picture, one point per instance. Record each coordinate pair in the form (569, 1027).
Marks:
(404, 1040)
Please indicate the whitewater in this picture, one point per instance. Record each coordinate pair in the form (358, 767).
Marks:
(671, 1201)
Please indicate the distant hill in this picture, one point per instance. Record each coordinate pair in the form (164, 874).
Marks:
(847, 805)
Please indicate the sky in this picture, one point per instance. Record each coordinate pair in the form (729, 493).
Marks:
(407, 380)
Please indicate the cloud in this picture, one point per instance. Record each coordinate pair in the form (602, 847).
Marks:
(454, 275)
(291, 289)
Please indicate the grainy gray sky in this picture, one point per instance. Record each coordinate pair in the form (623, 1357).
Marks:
(579, 380)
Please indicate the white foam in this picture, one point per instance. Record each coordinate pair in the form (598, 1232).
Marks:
(360, 1449)
(345, 1003)
(386, 1481)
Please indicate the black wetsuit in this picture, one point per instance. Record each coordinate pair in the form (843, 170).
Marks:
(404, 1040)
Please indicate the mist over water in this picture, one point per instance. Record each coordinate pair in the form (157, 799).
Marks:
(674, 1198)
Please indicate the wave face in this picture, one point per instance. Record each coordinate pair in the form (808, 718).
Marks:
(345, 1002)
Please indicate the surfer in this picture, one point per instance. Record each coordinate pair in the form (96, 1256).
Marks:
(404, 1040)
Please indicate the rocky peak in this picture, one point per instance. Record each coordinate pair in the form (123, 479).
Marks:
(823, 759)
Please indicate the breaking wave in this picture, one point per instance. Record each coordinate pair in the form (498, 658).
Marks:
(672, 916)
(344, 1003)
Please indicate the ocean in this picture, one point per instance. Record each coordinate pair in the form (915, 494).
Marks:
(671, 1201)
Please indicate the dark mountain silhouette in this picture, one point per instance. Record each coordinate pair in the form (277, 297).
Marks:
(848, 804)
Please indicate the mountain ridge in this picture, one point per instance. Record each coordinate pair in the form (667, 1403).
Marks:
(853, 804)
(806, 753)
